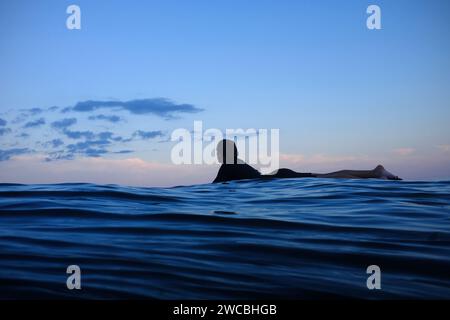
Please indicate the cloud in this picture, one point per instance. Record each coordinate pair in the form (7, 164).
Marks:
(33, 111)
(444, 147)
(94, 147)
(4, 131)
(59, 155)
(148, 134)
(91, 152)
(130, 171)
(403, 151)
(64, 123)
(8, 153)
(90, 135)
(157, 106)
(292, 158)
(87, 149)
(105, 135)
(326, 163)
(111, 118)
(94, 144)
(23, 135)
(34, 124)
(87, 144)
(55, 143)
(71, 142)
(23, 114)
(78, 134)
(20, 118)
(316, 158)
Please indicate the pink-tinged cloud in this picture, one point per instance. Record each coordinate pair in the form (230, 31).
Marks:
(132, 171)
(137, 172)
(444, 147)
(403, 151)
(292, 158)
(430, 166)
(322, 163)
(319, 159)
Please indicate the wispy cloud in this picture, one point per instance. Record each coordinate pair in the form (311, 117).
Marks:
(8, 153)
(108, 135)
(318, 158)
(55, 143)
(325, 162)
(148, 134)
(123, 151)
(444, 147)
(78, 134)
(292, 158)
(93, 148)
(71, 139)
(110, 118)
(24, 114)
(64, 123)
(94, 145)
(58, 155)
(23, 135)
(32, 111)
(130, 171)
(403, 151)
(161, 107)
(4, 131)
(52, 109)
(34, 124)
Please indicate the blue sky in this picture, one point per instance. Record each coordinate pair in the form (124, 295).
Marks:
(341, 95)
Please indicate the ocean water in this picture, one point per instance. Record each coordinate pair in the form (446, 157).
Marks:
(290, 238)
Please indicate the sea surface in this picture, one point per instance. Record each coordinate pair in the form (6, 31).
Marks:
(291, 238)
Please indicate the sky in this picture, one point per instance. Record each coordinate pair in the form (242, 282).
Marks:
(99, 104)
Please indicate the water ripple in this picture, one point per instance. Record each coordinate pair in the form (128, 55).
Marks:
(290, 238)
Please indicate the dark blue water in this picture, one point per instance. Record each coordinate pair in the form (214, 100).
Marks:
(292, 238)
